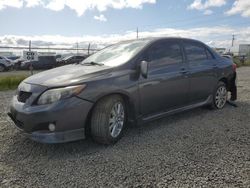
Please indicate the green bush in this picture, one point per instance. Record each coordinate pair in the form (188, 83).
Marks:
(10, 82)
(237, 61)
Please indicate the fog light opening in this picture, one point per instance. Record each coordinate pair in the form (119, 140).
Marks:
(52, 127)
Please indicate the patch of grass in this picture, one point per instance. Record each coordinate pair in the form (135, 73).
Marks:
(247, 63)
(11, 82)
(239, 63)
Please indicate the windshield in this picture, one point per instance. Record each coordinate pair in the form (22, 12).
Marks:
(117, 54)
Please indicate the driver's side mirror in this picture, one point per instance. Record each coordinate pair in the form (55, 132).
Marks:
(144, 69)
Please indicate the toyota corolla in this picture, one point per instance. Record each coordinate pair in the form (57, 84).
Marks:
(132, 81)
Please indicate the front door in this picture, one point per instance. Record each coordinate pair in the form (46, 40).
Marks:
(166, 86)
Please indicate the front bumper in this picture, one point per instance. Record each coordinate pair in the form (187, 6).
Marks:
(69, 117)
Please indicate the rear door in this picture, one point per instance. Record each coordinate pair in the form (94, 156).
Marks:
(167, 85)
(202, 71)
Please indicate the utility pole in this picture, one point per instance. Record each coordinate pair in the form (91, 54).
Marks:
(31, 64)
(137, 33)
(88, 48)
(30, 45)
(77, 48)
(233, 39)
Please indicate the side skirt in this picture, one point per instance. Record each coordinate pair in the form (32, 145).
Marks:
(174, 111)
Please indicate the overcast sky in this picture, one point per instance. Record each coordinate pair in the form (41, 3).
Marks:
(49, 22)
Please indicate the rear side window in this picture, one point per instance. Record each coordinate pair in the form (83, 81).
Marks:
(209, 54)
(195, 52)
(165, 53)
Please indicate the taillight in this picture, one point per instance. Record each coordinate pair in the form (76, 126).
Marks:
(234, 67)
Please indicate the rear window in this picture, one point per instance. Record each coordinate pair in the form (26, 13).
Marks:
(195, 52)
(209, 54)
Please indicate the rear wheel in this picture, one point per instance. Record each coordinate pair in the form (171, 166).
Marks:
(220, 96)
(108, 120)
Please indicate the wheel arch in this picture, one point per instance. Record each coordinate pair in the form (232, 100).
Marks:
(130, 108)
(226, 81)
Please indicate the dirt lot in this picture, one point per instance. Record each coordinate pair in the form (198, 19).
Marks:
(192, 149)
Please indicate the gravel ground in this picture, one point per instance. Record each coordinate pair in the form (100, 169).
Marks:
(198, 148)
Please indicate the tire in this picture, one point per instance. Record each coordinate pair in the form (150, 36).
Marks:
(219, 96)
(108, 120)
(2, 68)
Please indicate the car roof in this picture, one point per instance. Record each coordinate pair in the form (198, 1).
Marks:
(153, 39)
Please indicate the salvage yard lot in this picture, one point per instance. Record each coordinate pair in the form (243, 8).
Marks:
(191, 149)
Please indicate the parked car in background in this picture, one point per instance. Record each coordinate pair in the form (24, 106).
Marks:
(44, 62)
(227, 56)
(17, 63)
(13, 58)
(58, 56)
(5, 64)
(71, 60)
(132, 81)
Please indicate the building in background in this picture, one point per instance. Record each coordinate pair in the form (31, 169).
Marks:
(244, 49)
(6, 54)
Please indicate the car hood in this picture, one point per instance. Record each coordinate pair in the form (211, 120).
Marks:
(68, 75)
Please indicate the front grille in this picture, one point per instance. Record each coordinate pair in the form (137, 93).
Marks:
(23, 96)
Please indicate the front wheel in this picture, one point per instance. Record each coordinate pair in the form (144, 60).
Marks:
(220, 96)
(108, 120)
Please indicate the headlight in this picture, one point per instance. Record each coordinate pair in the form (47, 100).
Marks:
(54, 95)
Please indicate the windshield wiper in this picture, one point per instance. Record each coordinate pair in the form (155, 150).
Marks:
(92, 63)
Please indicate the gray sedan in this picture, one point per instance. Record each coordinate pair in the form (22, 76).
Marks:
(133, 81)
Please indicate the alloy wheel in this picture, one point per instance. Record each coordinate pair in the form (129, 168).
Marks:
(221, 97)
(116, 119)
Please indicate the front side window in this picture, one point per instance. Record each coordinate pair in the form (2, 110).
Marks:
(195, 52)
(165, 53)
